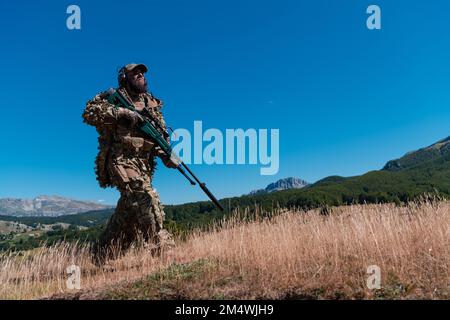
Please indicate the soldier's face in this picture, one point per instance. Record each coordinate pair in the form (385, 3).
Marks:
(136, 77)
(137, 81)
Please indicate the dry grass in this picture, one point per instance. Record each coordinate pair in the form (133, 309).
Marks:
(292, 255)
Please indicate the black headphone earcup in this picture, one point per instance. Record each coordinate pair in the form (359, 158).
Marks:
(122, 76)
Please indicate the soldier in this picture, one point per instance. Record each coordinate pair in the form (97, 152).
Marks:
(127, 161)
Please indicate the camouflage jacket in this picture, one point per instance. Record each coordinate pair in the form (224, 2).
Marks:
(117, 141)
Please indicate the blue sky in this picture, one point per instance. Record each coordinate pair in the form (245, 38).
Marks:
(345, 99)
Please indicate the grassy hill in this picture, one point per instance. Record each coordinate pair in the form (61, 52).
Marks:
(295, 255)
(94, 221)
(425, 171)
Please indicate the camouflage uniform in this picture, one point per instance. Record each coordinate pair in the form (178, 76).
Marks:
(127, 161)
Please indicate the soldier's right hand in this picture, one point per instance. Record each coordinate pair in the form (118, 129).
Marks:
(130, 116)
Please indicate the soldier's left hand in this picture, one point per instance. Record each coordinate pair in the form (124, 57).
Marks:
(171, 163)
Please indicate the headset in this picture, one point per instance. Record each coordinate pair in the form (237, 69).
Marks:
(122, 77)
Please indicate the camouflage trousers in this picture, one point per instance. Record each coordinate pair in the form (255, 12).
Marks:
(139, 214)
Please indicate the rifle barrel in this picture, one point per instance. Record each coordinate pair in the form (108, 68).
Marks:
(203, 187)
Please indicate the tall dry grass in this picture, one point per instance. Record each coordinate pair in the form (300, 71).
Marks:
(42, 272)
(291, 255)
(311, 255)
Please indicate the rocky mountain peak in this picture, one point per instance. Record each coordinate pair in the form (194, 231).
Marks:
(282, 184)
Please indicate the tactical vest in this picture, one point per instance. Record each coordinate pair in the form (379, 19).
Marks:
(112, 143)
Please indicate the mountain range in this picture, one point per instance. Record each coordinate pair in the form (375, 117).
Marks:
(420, 172)
(46, 206)
(436, 152)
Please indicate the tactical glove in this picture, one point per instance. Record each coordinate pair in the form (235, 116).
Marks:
(131, 117)
(171, 162)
